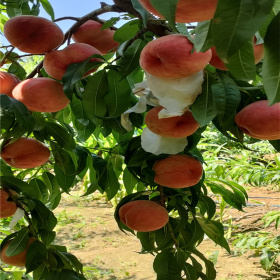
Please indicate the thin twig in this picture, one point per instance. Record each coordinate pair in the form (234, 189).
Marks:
(65, 18)
(6, 56)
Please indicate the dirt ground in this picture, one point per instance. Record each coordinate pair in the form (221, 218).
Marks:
(107, 253)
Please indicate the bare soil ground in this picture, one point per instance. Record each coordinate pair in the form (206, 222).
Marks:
(87, 227)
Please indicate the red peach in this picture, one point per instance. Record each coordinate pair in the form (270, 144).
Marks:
(56, 62)
(8, 82)
(7, 208)
(259, 120)
(175, 127)
(90, 33)
(171, 57)
(32, 34)
(17, 260)
(25, 153)
(178, 171)
(143, 215)
(188, 10)
(41, 95)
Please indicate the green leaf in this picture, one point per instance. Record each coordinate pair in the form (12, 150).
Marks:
(18, 244)
(84, 126)
(203, 108)
(47, 236)
(118, 97)
(139, 8)
(167, 9)
(36, 254)
(147, 240)
(267, 259)
(65, 182)
(61, 135)
(242, 63)
(130, 58)
(41, 272)
(39, 190)
(48, 8)
(93, 96)
(226, 99)
(166, 266)
(203, 39)
(209, 205)
(129, 181)
(235, 22)
(271, 62)
(215, 231)
(127, 31)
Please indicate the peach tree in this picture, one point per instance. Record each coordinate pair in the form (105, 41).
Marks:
(202, 62)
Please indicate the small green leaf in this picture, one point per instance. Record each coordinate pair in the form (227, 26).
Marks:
(48, 8)
(36, 254)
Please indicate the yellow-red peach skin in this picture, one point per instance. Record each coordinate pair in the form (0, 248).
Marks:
(41, 95)
(188, 10)
(7, 208)
(90, 33)
(259, 120)
(8, 82)
(172, 57)
(56, 62)
(32, 34)
(25, 153)
(174, 127)
(178, 171)
(143, 215)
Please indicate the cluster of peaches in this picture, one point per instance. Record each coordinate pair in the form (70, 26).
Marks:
(172, 58)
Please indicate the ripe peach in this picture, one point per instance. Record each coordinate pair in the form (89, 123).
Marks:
(143, 215)
(56, 62)
(25, 153)
(41, 95)
(90, 33)
(218, 63)
(175, 127)
(32, 34)
(7, 208)
(7, 82)
(259, 120)
(188, 10)
(171, 57)
(178, 171)
(17, 260)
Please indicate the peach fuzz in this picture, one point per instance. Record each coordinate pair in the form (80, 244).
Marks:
(7, 208)
(17, 260)
(41, 95)
(32, 34)
(143, 215)
(171, 57)
(90, 33)
(178, 171)
(174, 127)
(56, 62)
(259, 120)
(25, 153)
(188, 10)
(218, 63)
(8, 82)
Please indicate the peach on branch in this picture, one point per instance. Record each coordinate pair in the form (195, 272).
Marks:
(90, 33)
(25, 153)
(56, 62)
(16, 260)
(178, 171)
(41, 95)
(7, 208)
(219, 64)
(259, 120)
(143, 215)
(188, 10)
(175, 127)
(8, 82)
(172, 57)
(32, 34)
